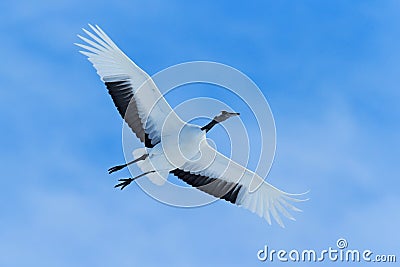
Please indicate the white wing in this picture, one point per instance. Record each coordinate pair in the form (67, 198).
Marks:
(221, 177)
(134, 93)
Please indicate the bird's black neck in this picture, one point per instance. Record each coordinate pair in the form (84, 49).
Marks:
(209, 125)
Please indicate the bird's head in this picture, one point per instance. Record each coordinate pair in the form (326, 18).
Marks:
(225, 115)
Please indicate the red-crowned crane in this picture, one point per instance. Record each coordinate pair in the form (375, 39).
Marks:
(172, 145)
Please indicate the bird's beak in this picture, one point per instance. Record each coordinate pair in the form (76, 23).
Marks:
(235, 113)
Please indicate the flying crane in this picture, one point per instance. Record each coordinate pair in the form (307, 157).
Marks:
(173, 146)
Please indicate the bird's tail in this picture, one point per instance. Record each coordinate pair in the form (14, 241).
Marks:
(147, 165)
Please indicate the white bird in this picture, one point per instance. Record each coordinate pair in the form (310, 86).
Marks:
(172, 145)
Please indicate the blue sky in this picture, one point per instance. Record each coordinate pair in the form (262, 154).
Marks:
(328, 69)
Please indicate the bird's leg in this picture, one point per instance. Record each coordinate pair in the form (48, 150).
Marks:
(119, 167)
(126, 181)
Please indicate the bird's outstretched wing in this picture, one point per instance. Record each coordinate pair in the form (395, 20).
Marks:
(228, 180)
(134, 93)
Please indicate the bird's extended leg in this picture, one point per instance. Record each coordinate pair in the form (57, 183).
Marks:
(119, 167)
(126, 181)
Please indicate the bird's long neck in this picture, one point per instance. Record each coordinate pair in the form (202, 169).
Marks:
(209, 125)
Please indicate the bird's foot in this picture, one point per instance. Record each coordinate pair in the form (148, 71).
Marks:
(124, 183)
(116, 168)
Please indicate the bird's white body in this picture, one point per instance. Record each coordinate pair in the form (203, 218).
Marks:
(173, 152)
(174, 146)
